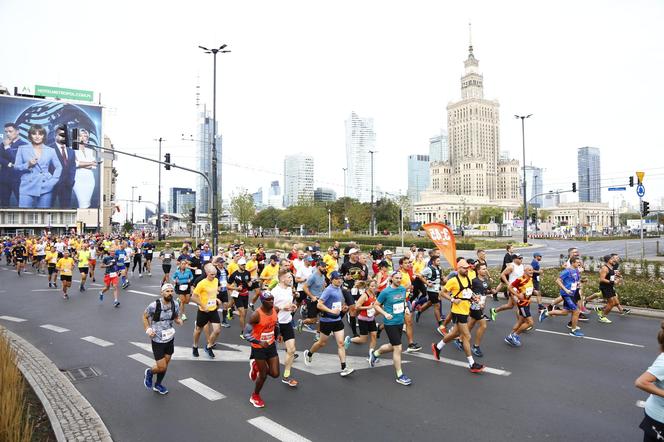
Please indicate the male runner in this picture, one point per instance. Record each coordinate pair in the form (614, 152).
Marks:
(65, 266)
(205, 296)
(260, 331)
(481, 288)
(240, 281)
(51, 261)
(166, 257)
(608, 278)
(537, 276)
(283, 301)
(432, 274)
(19, 253)
(512, 272)
(568, 281)
(111, 278)
(521, 289)
(313, 287)
(83, 259)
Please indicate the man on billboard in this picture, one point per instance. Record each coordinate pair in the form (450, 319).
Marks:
(63, 190)
(9, 178)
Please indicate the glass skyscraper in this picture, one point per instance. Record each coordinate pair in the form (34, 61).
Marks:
(589, 181)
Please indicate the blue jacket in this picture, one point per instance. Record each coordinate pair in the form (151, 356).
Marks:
(37, 180)
(8, 155)
(68, 174)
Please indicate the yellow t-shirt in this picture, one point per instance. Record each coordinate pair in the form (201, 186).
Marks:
(269, 272)
(405, 279)
(83, 258)
(65, 265)
(252, 268)
(331, 264)
(472, 274)
(232, 268)
(51, 257)
(418, 266)
(206, 291)
(463, 307)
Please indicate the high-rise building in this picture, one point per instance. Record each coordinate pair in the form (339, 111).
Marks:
(360, 139)
(257, 196)
(275, 189)
(181, 200)
(438, 148)
(205, 134)
(298, 179)
(323, 194)
(274, 197)
(418, 176)
(534, 185)
(589, 175)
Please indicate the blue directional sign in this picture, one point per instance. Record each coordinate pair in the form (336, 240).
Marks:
(617, 189)
(640, 190)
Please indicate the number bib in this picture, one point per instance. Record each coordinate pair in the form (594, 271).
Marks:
(235, 293)
(529, 291)
(198, 272)
(466, 294)
(336, 305)
(613, 278)
(212, 303)
(167, 335)
(113, 274)
(268, 336)
(573, 286)
(398, 308)
(184, 287)
(167, 256)
(206, 258)
(371, 312)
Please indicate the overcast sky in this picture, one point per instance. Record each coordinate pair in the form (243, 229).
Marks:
(590, 71)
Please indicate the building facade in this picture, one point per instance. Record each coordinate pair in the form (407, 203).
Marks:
(181, 200)
(438, 148)
(205, 134)
(298, 179)
(325, 195)
(257, 196)
(585, 217)
(589, 175)
(360, 139)
(418, 176)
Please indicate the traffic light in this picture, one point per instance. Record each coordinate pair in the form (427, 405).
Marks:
(62, 135)
(631, 181)
(139, 198)
(74, 138)
(645, 208)
(573, 187)
(167, 159)
(193, 215)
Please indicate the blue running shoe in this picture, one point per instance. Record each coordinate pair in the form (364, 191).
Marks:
(347, 342)
(101, 296)
(543, 315)
(458, 344)
(517, 340)
(509, 340)
(147, 381)
(160, 389)
(404, 380)
(477, 352)
(372, 359)
(577, 333)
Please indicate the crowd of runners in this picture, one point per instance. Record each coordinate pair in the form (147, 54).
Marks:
(340, 294)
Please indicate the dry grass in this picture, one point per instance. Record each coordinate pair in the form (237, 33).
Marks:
(15, 425)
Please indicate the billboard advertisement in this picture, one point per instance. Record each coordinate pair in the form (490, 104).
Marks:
(37, 172)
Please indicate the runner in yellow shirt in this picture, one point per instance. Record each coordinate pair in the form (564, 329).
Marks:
(65, 265)
(205, 296)
(83, 258)
(51, 261)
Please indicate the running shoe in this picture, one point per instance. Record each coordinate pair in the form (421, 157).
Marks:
(476, 368)
(101, 296)
(458, 344)
(569, 325)
(604, 320)
(517, 340)
(413, 347)
(477, 352)
(307, 358)
(184, 317)
(160, 389)
(300, 324)
(493, 313)
(625, 312)
(418, 313)
(309, 328)
(316, 337)
(543, 315)
(510, 341)
(583, 317)
(229, 315)
(194, 352)
(577, 333)
(404, 380)
(147, 379)
(242, 337)
(372, 359)
(209, 352)
(256, 401)
(435, 351)
(441, 330)
(346, 371)
(253, 370)
(599, 310)
(584, 310)
(116, 304)
(65, 296)
(290, 382)
(225, 325)
(347, 342)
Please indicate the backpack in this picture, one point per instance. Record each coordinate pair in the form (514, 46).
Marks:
(156, 316)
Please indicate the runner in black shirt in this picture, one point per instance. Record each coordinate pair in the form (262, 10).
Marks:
(352, 270)
(19, 251)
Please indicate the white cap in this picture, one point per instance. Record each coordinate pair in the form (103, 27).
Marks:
(241, 262)
(353, 250)
(167, 286)
(388, 252)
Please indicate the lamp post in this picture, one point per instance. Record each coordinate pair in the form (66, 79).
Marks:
(345, 169)
(132, 202)
(373, 209)
(329, 223)
(159, 194)
(525, 201)
(215, 191)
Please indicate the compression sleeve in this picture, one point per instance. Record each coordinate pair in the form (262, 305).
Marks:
(248, 330)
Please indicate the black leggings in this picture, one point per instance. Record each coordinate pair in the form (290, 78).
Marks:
(138, 261)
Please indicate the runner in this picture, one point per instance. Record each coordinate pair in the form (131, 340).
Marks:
(283, 301)
(537, 276)
(458, 291)
(313, 287)
(19, 253)
(111, 278)
(331, 305)
(65, 266)
(240, 281)
(432, 275)
(138, 259)
(512, 272)
(182, 279)
(51, 261)
(391, 303)
(166, 257)
(481, 288)
(507, 259)
(205, 296)
(521, 289)
(148, 253)
(121, 261)
(406, 270)
(92, 261)
(366, 314)
(352, 271)
(158, 319)
(40, 256)
(651, 381)
(260, 331)
(608, 279)
(83, 260)
(568, 281)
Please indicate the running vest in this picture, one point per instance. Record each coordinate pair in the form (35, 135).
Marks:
(435, 279)
(156, 316)
(465, 292)
(264, 330)
(517, 272)
(611, 276)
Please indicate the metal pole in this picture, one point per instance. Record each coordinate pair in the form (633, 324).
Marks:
(329, 223)
(159, 196)
(373, 209)
(401, 224)
(215, 214)
(344, 169)
(525, 203)
(641, 228)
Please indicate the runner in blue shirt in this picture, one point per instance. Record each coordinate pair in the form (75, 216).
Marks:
(568, 281)
(391, 304)
(182, 279)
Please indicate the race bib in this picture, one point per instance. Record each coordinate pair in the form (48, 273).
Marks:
(398, 308)
(113, 274)
(206, 258)
(613, 278)
(198, 272)
(529, 291)
(573, 286)
(121, 257)
(268, 336)
(235, 293)
(184, 287)
(167, 256)
(466, 294)
(167, 335)
(336, 305)
(223, 284)
(482, 301)
(371, 312)
(212, 303)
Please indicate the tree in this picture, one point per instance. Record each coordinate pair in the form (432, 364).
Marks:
(267, 218)
(242, 208)
(543, 215)
(127, 227)
(519, 211)
(489, 213)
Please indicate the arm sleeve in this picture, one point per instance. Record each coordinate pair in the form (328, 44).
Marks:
(248, 330)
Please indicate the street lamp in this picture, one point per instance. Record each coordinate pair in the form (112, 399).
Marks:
(132, 202)
(329, 223)
(525, 201)
(373, 209)
(215, 191)
(159, 193)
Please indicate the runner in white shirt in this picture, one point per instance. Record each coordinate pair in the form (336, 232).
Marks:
(283, 301)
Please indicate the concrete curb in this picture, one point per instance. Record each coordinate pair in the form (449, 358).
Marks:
(71, 415)
(637, 311)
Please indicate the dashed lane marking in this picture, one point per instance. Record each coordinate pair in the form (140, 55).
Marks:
(12, 319)
(275, 430)
(462, 364)
(202, 389)
(143, 293)
(97, 341)
(54, 328)
(142, 359)
(45, 290)
(590, 338)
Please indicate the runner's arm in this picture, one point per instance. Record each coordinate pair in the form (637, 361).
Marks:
(360, 301)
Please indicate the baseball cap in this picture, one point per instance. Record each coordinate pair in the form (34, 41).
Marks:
(274, 257)
(266, 295)
(353, 250)
(241, 261)
(517, 256)
(167, 286)
(536, 254)
(388, 252)
(471, 261)
(309, 259)
(335, 275)
(322, 264)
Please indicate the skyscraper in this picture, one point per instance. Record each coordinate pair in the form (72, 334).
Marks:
(589, 175)
(298, 179)
(205, 134)
(360, 139)
(534, 184)
(181, 200)
(323, 194)
(257, 196)
(418, 176)
(438, 148)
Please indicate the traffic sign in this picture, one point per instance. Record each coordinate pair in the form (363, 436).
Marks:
(640, 190)
(640, 175)
(617, 189)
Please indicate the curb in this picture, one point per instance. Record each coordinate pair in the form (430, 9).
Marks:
(636, 311)
(71, 415)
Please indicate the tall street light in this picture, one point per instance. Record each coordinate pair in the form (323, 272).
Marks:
(373, 209)
(132, 202)
(329, 223)
(215, 190)
(525, 201)
(159, 193)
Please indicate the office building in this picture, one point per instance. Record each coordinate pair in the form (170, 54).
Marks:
(298, 179)
(438, 148)
(418, 176)
(534, 185)
(323, 194)
(589, 175)
(257, 196)
(360, 139)
(204, 140)
(181, 200)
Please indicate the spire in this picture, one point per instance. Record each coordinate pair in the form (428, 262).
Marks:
(471, 62)
(470, 38)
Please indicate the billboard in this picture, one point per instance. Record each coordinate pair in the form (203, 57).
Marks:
(36, 172)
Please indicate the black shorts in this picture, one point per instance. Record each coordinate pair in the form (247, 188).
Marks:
(524, 311)
(433, 297)
(367, 327)
(286, 331)
(477, 315)
(242, 302)
(301, 297)
(159, 350)
(223, 296)
(458, 318)
(202, 318)
(607, 293)
(65, 278)
(263, 354)
(330, 327)
(148, 258)
(40, 258)
(577, 296)
(394, 333)
(83, 270)
(51, 269)
(182, 292)
(312, 309)
(19, 259)
(166, 268)
(536, 284)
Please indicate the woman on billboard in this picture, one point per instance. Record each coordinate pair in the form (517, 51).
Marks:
(86, 164)
(33, 162)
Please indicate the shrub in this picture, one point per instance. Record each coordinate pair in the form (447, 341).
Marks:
(15, 424)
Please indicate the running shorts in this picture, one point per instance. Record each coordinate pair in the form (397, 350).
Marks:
(367, 327)
(286, 331)
(203, 318)
(330, 327)
(263, 354)
(159, 349)
(394, 333)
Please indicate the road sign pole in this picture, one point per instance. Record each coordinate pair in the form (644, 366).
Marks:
(642, 244)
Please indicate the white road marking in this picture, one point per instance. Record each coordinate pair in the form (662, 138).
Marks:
(591, 338)
(44, 290)
(202, 389)
(641, 404)
(12, 319)
(54, 328)
(97, 341)
(275, 430)
(142, 359)
(462, 364)
(143, 293)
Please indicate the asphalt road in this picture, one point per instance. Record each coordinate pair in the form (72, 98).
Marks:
(554, 388)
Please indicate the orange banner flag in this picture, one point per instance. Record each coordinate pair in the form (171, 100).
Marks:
(443, 237)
